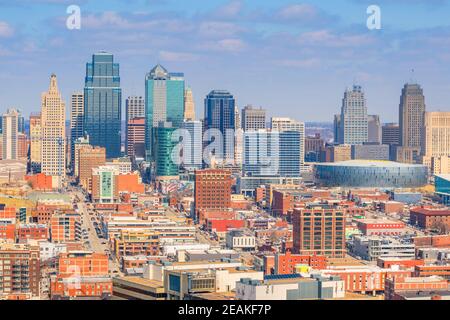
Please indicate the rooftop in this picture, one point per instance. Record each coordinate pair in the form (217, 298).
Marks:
(370, 163)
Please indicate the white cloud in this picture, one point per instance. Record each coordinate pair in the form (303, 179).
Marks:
(6, 30)
(177, 56)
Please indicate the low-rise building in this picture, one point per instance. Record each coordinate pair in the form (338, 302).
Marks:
(373, 247)
(290, 287)
(240, 239)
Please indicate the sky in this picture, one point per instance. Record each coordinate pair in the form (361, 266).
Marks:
(293, 58)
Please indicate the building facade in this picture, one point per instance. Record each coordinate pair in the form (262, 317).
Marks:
(103, 104)
(319, 231)
(76, 123)
(253, 118)
(10, 135)
(53, 124)
(354, 119)
(164, 102)
(220, 119)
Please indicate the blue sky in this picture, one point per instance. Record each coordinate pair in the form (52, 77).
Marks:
(294, 58)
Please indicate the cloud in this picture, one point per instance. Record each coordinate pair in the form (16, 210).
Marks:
(225, 45)
(178, 56)
(6, 30)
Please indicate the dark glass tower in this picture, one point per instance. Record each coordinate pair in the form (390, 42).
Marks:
(220, 115)
(103, 103)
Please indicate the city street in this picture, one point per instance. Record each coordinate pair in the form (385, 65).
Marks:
(90, 236)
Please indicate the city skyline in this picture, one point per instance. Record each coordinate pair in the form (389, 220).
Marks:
(315, 47)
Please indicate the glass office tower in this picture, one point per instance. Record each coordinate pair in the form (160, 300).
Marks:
(220, 115)
(103, 104)
(163, 149)
(164, 102)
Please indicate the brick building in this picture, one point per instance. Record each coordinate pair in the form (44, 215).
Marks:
(81, 274)
(398, 286)
(89, 157)
(319, 231)
(212, 189)
(65, 227)
(429, 218)
(133, 243)
(32, 231)
(23, 274)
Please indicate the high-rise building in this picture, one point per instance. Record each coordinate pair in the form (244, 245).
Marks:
(35, 142)
(189, 105)
(21, 124)
(134, 108)
(313, 146)
(166, 167)
(411, 115)
(354, 119)
(220, 116)
(253, 118)
(22, 146)
(289, 140)
(10, 125)
(103, 103)
(436, 141)
(212, 189)
(53, 125)
(336, 127)
(136, 138)
(78, 144)
(319, 231)
(76, 122)
(262, 154)
(164, 101)
(411, 118)
(374, 129)
(391, 134)
(89, 157)
(193, 151)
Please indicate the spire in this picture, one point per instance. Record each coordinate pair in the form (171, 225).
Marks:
(53, 83)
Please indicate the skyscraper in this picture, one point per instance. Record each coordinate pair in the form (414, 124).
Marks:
(193, 152)
(103, 103)
(436, 141)
(10, 126)
(76, 122)
(411, 121)
(220, 115)
(164, 101)
(189, 105)
(166, 168)
(287, 141)
(411, 115)
(374, 129)
(261, 154)
(354, 120)
(134, 108)
(136, 138)
(53, 117)
(391, 134)
(35, 142)
(253, 118)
